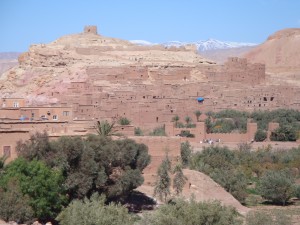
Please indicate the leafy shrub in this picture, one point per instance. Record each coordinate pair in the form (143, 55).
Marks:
(94, 211)
(138, 131)
(284, 133)
(277, 186)
(180, 212)
(267, 218)
(259, 218)
(297, 191)
(158, 131)
(124, 121)
(186, 133)
(260, 135)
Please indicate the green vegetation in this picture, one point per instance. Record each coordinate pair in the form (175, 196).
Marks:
(15, 206)
(43, 186)
(50, 174)
(179, 179)
(220, 164)
(94, 211)
(2, 162)
(124, 121)
(284, 133)
(158, 131)
(268, 218)
(186, 133)
(277, 186)
(94, 164)
(185, 153)
(260, 135)
(227, 121)
(197, 114)
(175, 119)
(104, 128)
(297, 191)
(180, 212)
(234, 170)
(163, 182)
(138, 131)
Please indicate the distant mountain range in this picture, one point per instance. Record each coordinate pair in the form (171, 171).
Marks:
(202, 46)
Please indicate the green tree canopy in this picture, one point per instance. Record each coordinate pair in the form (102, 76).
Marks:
(15, 206)
(43, 186)
(94, 211)
(163, 181)
(95, 164)
(277, 186)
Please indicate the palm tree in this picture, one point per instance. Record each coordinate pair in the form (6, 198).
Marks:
(198, 114)
(104, 128)
(175, 119)
(188, 120)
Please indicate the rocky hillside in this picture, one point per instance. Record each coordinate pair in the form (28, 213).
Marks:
(280, 52)
(8, 60)
(47, 68)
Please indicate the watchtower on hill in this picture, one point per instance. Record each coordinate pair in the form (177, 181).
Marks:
(90, 29)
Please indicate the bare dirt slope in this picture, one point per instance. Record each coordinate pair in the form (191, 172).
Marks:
(204, 189)
(280, 52)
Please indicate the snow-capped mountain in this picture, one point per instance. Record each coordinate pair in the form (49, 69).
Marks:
(142, 42)
(210, 44)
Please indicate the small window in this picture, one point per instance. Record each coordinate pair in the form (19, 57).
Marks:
(66, 113)
(55, 117)
(16, 104)
(6, 151)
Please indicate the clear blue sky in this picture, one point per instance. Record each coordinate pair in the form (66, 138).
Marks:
(25, 22)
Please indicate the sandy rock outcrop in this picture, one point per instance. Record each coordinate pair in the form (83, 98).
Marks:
(280, 52)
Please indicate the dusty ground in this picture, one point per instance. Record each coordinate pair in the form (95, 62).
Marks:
(204, 189)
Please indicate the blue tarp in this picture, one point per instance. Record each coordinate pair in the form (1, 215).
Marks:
(200, 99)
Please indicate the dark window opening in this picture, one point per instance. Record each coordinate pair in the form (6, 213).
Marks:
(265, 99)
(143, 96)
(272, 98)
(156, 119)
(259, 105)
(171, 110)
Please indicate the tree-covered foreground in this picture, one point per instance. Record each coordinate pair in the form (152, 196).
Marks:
(48, 175)
(75, 180)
